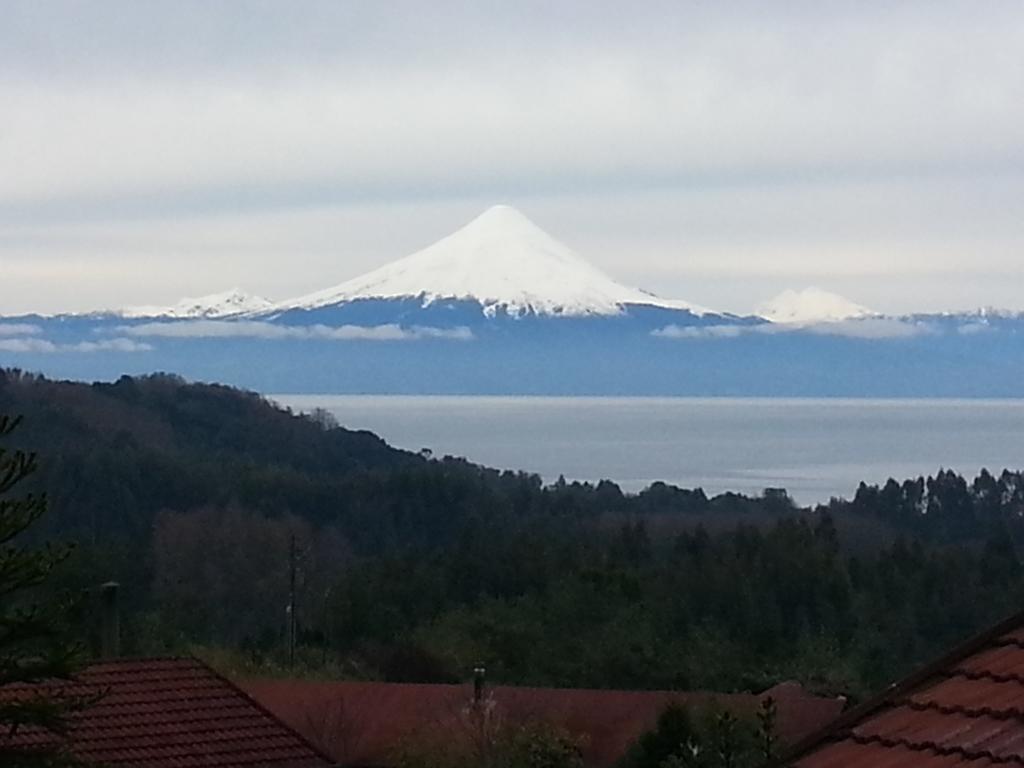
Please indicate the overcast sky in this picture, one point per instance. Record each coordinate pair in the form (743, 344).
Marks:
(717, 152)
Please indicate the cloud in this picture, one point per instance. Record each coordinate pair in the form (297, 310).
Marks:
(110, 345)
(704, 331)
(677, 93)
(864, 328)
(44, 346)
(971, 329)
(19, 329)
(873, 328)
(27, 345)
(255, 329)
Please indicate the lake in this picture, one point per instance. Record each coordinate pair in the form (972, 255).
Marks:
(815, 448)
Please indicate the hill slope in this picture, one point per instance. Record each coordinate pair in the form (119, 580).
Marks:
(113, 455)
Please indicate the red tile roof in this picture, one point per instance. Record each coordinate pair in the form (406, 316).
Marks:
(967, 709)
(362, 724)
(168, 713)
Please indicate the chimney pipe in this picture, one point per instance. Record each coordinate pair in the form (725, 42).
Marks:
(110, 626)
(479, 679)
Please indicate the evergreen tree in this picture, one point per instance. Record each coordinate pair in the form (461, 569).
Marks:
(33, 645)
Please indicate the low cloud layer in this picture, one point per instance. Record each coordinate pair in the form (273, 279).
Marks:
(254, 329)
(35, 345)
(19, 329)
(866, 328)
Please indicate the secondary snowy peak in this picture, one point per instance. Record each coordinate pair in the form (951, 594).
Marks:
(811, 305)
(225, 304)
(502, 260)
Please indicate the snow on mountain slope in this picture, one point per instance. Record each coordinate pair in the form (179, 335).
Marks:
(225, 304)
(811, 305)
(502, 260)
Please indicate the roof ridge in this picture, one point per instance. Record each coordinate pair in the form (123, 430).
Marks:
(931, 746)
(984, 674)
(1013, 713)
(202, 725)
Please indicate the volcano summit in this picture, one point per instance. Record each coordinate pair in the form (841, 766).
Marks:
(505, 263)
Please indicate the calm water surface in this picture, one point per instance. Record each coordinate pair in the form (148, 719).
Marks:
(815, 448)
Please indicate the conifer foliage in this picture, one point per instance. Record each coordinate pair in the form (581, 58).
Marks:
(33, 644)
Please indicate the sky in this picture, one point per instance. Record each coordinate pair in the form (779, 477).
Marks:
(716, 152)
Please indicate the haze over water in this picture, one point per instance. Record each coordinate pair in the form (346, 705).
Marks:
(815, 448)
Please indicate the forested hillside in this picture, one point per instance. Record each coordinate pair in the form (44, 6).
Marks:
(415, 568)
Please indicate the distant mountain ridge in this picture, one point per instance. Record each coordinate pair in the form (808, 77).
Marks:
(230, 303)
(507, 266)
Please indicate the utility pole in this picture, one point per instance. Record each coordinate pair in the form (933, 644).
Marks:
(291, 603)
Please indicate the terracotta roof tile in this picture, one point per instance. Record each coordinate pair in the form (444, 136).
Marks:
(169, 713)
(967, 709)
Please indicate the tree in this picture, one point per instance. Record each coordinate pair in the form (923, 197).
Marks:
(33, 642)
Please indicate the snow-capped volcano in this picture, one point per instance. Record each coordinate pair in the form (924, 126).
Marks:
(811, 305)
(503, 261)
(225, 304)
